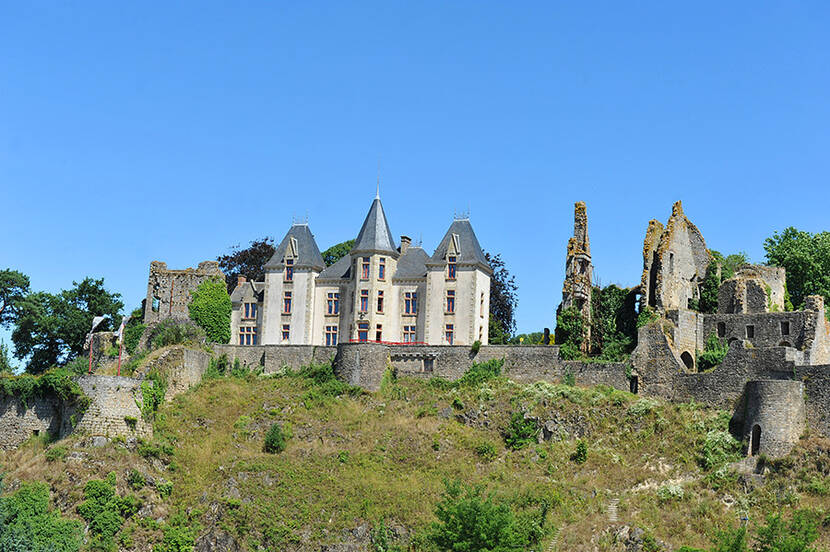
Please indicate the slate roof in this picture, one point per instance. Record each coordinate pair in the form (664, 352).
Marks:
(340, 269)
(375, 234)
(241, 292)
(308, 254)
(470, 250)
(412, 264)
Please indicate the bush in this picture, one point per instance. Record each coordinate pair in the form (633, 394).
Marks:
(646, 317)
(153, 390)
(476, 347)
(521, 431)
(217, 367)
(105, 511)
(164, 489)
(175, 332)
(27, 524)
(470, 520)
(481, 372)
(713, 353)
(277, 438)
(325, 385)
(580, 455)
(569, 333)
(56, 453)
(135, 480)
(211, 309)
(486, 451)
(719, 447)
(133, 331)
(669, 492)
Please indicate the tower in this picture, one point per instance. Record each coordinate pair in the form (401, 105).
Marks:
(579, 273)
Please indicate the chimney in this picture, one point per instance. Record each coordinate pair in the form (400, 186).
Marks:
(405, 242)
(240, 280)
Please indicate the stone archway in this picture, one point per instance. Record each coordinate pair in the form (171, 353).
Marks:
(755, 440)
(688, 361)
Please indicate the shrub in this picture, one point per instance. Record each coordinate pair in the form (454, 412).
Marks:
(794, 536)
(481, 372)
(153, 390)
(670, 491)
(713, 353)
(719, 447)
(175, 332)
(486, 451)
(56, 453)
(476, 347)
(135, 480)
(642, 407)
(55, 382)
(569, 379)
(521, 431)
(105, 511)
(211, 309)
(165, 489)
(580, 455)
(179, 535)
(325, 384)
(569, 333)
(131, 422)
(277, 438)
(28, 524)
(646, 317)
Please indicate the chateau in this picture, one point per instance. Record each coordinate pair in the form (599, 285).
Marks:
(377, 293)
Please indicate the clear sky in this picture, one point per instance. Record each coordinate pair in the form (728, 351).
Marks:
(132, 132)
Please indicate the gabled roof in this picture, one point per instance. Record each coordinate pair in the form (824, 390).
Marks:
(375, 234)
(412, 264)
(247, 289)
(340, 269)
(298, 243)
(462, 242)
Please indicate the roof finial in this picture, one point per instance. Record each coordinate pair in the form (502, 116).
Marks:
(377, 192)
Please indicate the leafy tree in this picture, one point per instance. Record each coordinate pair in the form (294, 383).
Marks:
(794, 536)
(806, 257)
(248, 262)
(533, 338)
(14, 286)
(503, 297)
(613, 322)
(5, 360)
(336, 252)
(569, 335)
(27, 524)
(211, 309)
(496, 334)
(51, 329)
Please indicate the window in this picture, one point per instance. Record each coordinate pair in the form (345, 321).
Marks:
(409, 334)
(289, 270)
(451, 268)
(365, 273)
(450, 301)
(286, 303)
(247, 335)
(721, 329)
(379, 333)
(382, 269)
(428, 364)
(331, 335)
(750, 332)
(410, 302)
(671, 263)
(286, 332)
(481, 307)
(785, 328)
(448, 333)
(380, 301)
(250, 311)
(333, 303)
(156, 304)
(363, 331)
(364, 300)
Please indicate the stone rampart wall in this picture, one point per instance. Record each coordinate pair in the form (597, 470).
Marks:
(19, 421)
(114, 408)
(776, 407)
(276, 358)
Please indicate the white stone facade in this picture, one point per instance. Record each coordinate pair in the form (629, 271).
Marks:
(379, 292)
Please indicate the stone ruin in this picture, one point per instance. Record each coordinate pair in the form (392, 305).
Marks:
(753, 289)
(579, 272)
(169, 291)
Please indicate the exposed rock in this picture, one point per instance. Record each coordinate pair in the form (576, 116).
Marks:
(216, 540)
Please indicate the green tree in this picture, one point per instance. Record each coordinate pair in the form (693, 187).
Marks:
(211, 309)
(503, 297)
(613, 322)
(27, 524)
(720, 268)
(248, 262)
(5, 359)
(52, 329)
(336, 252)
(14, 286)
(569, 335)
(496, 334)
(806, 257)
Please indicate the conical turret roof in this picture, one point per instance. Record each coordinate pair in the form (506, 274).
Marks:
(375, 234)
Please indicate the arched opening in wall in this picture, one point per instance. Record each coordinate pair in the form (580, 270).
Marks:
(688, 360)
(755, 441)
(721, 329)
(785, 344)
(652, 281)
(634, 384)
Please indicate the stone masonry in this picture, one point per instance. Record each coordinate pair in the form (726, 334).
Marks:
(169, 291)
(579, 271)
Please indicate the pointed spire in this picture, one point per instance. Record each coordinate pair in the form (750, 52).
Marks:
(375, 234)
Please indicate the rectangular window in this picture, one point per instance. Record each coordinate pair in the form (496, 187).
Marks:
(410, 302)
(481, 308)
(331, 336)
(450, 301)
(448, 334)
(364, 300)
(363, 331)
(286, 303)
(451, 268)
(286, 332)
(333, 303)
(380, 301)
(365, 273)
(250, 311)
(750, 332)
(379, 333)
(247, 335)
(382, 269)
(289, 270)
(785, 328)
(409, 334)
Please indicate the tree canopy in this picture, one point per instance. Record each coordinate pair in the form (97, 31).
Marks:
(336, 252)
(13, 288)
(806, 257)
(51, 328)
(503, 300)
(248, 262)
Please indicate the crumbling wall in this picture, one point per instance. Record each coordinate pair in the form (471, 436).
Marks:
(753, 289)
(181, 368)
(169, 291)
(113, 409)
(19, 421)
(577, 288)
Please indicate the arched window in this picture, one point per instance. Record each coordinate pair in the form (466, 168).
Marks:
(755, 443)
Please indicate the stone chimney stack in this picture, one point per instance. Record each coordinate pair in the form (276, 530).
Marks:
(406, 241)
(240, 280)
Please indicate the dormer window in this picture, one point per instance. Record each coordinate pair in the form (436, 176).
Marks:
(451, 268)
(364, 275)
(289, 270)
(250, 311)
(382, 269)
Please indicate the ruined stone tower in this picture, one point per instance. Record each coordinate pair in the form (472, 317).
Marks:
(579, 273)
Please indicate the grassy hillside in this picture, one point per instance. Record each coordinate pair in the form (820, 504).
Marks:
(372, 466)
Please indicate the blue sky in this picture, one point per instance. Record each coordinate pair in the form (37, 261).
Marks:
(171, 131)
